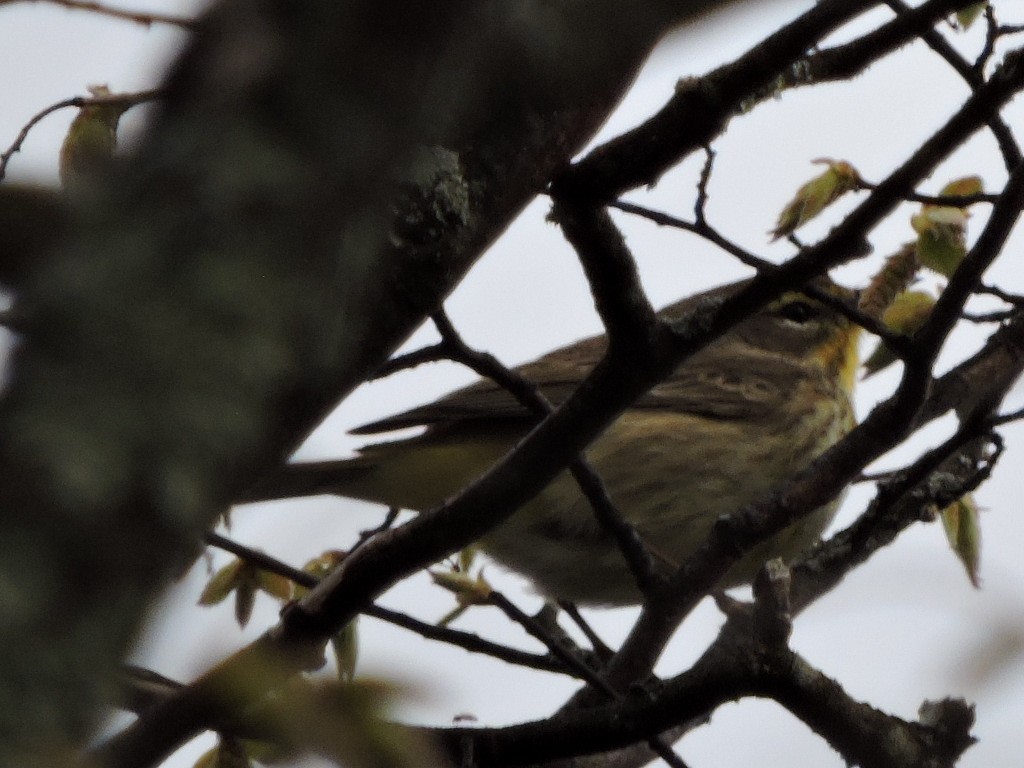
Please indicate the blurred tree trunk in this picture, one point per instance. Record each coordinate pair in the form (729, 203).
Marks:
(319, 177)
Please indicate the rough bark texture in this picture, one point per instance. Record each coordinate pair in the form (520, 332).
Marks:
(279, 231)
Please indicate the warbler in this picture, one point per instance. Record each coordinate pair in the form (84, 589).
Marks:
(732, 421)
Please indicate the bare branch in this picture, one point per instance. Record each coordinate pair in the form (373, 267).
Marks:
(887, 424)
(126, 100)
(735, 666)
(145, 18)
(974, 78)
(465, 640)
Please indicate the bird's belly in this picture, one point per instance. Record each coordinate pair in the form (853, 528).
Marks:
(671, 476)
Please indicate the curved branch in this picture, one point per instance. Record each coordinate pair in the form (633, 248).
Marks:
(126, 100)
(737, 665)
(701, 108)
(1004, 136)
(145, 18)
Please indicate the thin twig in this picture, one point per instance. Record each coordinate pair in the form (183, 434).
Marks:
(698, 111)
(127, 100)
(146, 18)
(596, 643)
(465, 640)
(5, 157)
(999, 293)
(262, 560)
(386, 523)
(845, 61)
(989, 47)
(571, 660)
(630, 543)
(899, 343)
(989, 317)
(470, 642)
(701, 201)
(703, 229)
(434, 353)
(952, 201)
(1006, 418)
(1003, 135)
(902, 495)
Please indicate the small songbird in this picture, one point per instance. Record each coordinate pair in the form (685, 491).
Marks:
(731, 422)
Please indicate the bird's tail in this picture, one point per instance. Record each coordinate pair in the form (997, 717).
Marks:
(313, 478)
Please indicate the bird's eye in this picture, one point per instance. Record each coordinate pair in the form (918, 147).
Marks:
(798, 311)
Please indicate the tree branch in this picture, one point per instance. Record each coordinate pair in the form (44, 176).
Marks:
(886, 425)
(145, 18)
(702, 107)
(738, 664)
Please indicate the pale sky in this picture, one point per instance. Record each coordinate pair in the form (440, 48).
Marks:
(904, 628)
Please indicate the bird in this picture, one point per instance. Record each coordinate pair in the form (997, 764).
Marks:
(729, 424)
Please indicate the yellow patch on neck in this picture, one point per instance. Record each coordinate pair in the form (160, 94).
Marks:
(850, 362)
(840, 356)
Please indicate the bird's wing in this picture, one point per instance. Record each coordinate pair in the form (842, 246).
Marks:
(713, 386)
(705, 385)
(556, 375)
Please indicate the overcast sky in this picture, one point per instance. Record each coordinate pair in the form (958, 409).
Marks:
(906, 627)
